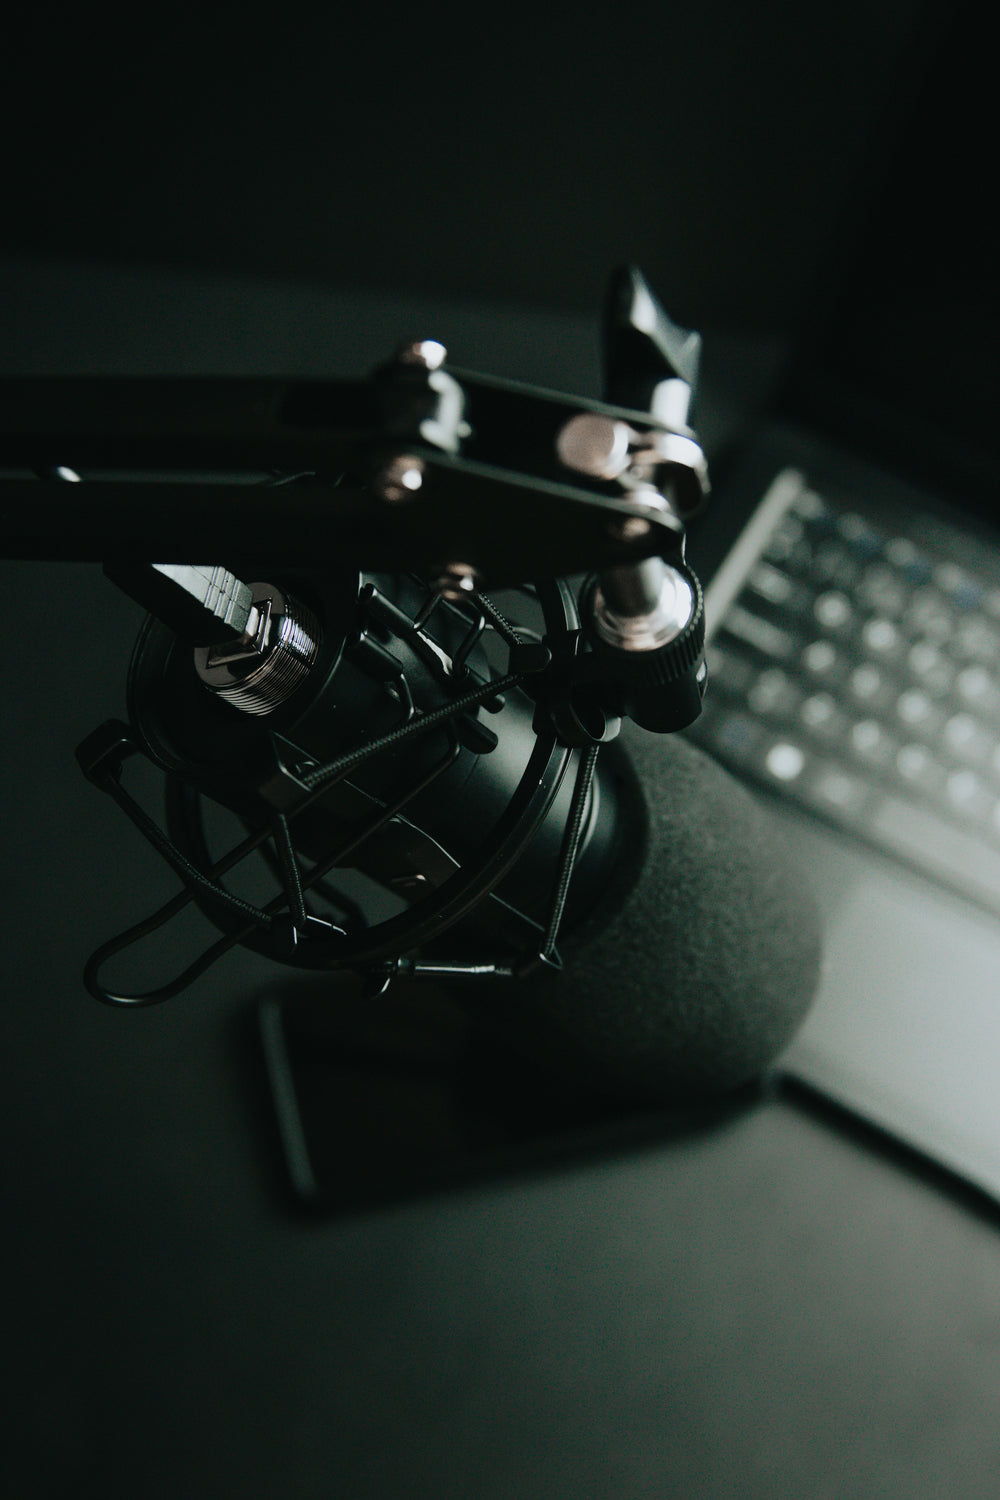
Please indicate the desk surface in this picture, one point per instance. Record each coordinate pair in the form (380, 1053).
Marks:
(772, 1305)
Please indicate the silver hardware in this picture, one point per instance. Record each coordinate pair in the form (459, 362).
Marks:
(605, 447)
(426, 352)
(251, 643)
(670, 403)
(596, 445)
(272, 658)
(424, 403)
(456, 581)
(677, 449)
(642, 606)
(628, 528)
(401, 480)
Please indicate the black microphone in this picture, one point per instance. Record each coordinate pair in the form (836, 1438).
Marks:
(697, 966)
(619, 907)
(688, 946)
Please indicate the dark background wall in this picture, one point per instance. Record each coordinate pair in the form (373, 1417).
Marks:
(509, 153)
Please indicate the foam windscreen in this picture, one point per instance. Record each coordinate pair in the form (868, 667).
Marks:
(698, 966)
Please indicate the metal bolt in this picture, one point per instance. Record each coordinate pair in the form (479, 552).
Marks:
(628, 528)
(456, 581)
(426, 352)
(595, 445)
(401, 479)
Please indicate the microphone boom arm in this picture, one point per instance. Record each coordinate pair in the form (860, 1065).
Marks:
(172, 464)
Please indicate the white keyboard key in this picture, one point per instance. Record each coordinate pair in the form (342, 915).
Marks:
(820, 658)
(785, 761)
(870, 743)
(920, 769)
(977, 687)
(966, 738)
(769, 639)
(882, 638)
(833, 610)
(821, 716)
(773, 585)
(968, 794)
(928, 662)
(869, 684)
(774, 694)
(917, 710)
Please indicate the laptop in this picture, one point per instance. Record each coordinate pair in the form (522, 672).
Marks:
(854, 635)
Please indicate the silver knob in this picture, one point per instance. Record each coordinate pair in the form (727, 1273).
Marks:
(271, 659)
(595, 445)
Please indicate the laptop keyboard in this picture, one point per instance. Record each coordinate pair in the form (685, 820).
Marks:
(856, 671)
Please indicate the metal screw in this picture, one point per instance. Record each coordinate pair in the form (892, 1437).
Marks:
(628, 528)
(595, 445)
(426, 352)
(456, 581)
(401, 478)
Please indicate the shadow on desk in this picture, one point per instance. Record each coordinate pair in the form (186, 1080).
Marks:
(378, 1101)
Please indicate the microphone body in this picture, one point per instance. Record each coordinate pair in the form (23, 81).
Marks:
(700, 962)
(689, 944)
(362, 724)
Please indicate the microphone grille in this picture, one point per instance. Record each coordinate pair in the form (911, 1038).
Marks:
(702, 972)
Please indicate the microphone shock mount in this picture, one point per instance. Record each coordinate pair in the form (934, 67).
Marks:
(418, 773)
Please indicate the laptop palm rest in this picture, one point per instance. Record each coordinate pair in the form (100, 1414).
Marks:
(906, 1027)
